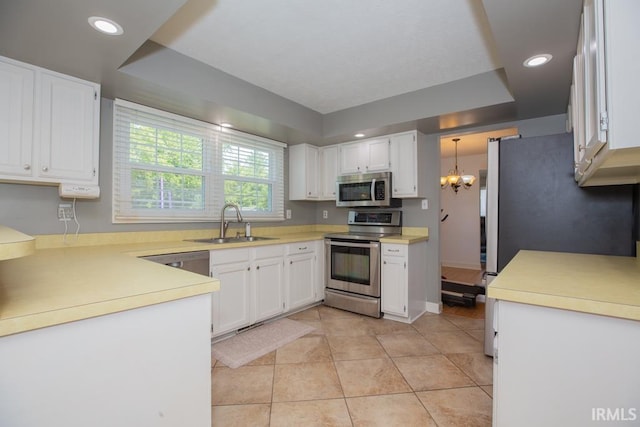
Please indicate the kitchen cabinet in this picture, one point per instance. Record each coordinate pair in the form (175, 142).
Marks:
(406, 149)
(16, 119)
(578, 366)
(303, 172)
(605, 89)
(267, 269)
(49, 125)
(404, 293)
(365, 156)
(328, 172)
(300, 267)
(231, 305)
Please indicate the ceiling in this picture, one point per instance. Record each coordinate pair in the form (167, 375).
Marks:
(303, 71)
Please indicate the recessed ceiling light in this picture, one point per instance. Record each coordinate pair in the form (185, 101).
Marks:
(359, 135)
(226, 125)
(105, 25)
(537, 60)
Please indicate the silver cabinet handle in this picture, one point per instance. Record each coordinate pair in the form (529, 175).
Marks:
(27, 167)
(45, 169)
(302, 249)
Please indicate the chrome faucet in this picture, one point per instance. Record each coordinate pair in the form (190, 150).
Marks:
(225, 224)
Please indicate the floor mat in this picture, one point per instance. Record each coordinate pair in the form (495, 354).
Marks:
(256, 342)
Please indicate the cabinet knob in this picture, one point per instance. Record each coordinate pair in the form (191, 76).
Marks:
(384, 262)
(27, 167)
(257, 267)
(45, 169)
(290, 262)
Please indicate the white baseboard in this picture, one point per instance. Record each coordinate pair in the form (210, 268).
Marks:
(434, 307)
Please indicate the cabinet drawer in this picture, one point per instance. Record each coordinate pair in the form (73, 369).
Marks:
(394, 250)
(271, 251)
(227, 256)
(301, 248)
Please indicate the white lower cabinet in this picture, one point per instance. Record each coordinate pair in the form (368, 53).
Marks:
(267, 271)
(260, 283)
(404, 290)
(231, 305)
(555, 367)
(300, 265)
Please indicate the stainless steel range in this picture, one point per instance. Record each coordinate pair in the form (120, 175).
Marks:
(352, 277)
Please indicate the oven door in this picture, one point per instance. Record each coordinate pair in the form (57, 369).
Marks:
(353, 266)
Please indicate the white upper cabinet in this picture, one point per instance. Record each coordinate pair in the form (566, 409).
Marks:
(364, 156)
(49, 126)
(16, 119)
(406, 176)
(605, 93)
(303, 172)
(328, 172)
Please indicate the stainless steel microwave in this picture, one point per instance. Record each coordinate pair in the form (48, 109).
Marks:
(366, 189)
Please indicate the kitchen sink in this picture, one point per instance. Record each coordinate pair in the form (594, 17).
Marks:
(239, 239)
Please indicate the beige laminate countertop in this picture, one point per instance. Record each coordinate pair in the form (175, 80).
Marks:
(101, 274)
(55, 286)
(14, 244)
(596, 284)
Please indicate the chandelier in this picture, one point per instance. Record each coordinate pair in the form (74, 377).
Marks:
(455, 179)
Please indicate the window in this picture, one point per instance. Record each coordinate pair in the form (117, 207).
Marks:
(169, 168)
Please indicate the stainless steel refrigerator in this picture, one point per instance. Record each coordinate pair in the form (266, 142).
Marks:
(534, 203)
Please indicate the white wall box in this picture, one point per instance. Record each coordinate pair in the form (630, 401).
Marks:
(300, 271)
(404, 289)
(366, 156)
(603, 105)
(49, 126)
(406, 150)
(303, 172)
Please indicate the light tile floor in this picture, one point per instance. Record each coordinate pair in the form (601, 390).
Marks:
(358, 371)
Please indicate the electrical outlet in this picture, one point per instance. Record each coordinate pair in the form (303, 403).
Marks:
(65, 212)
(425, 204)
(288, 213)
(325, 214)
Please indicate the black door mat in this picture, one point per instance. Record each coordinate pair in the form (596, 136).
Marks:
(464, 294)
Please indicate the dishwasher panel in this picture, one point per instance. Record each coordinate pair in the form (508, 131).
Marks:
(195, 262)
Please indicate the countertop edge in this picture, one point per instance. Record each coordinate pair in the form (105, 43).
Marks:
(61, 316)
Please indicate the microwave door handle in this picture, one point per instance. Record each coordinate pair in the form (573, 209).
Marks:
(373, 190)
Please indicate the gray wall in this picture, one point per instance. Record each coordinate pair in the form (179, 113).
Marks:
(32, 209)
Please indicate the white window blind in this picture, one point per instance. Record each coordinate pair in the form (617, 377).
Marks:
(169, 168)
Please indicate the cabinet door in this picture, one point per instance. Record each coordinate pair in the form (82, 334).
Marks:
(328, 172)
(16, 119)
(303, 172)
(300, 282)
(351, 158)
(268, 283)
(404, 165)
(595, 124)
(68, 131)
(394, 285)
(231, 304)
(377, 155)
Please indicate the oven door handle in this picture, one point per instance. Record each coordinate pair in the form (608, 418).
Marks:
(373, 190)
(353, 245)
